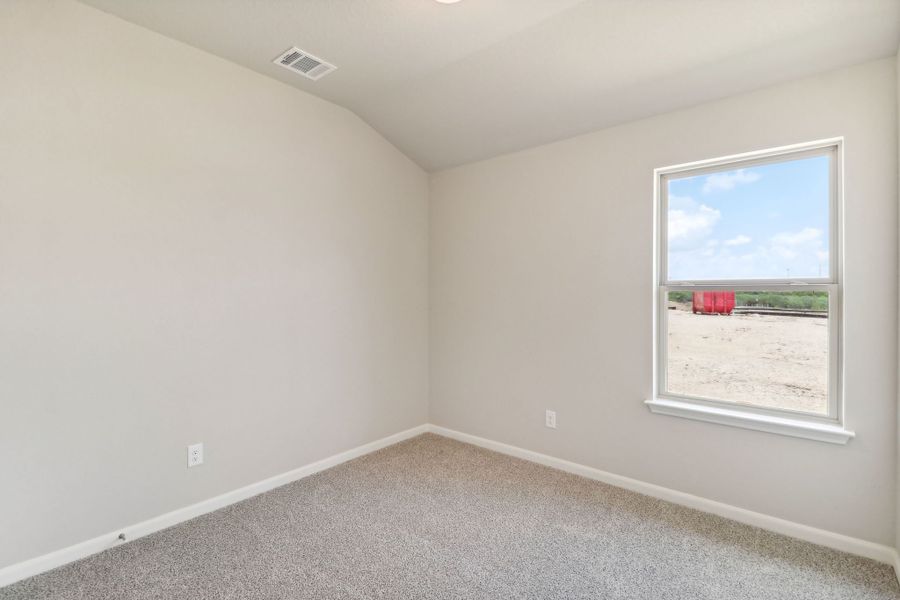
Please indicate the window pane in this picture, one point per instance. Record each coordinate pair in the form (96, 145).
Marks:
(765, 348)
(761, 222)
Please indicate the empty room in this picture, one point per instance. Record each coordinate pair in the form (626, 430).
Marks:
(457, 299)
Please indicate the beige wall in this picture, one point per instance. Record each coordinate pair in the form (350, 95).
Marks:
(192, 252)
(189, 252)
(541, 298)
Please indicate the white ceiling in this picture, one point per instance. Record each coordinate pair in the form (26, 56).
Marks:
(449, 84)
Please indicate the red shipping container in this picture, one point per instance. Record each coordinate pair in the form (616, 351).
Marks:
(713, 303)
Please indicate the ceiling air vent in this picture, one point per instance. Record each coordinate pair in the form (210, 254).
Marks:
(298, 61)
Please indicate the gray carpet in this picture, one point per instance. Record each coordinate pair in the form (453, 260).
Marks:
(434, 518)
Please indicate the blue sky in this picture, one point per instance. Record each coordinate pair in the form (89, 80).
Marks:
(763, 222)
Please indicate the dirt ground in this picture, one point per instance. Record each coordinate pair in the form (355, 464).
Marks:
(770, 361)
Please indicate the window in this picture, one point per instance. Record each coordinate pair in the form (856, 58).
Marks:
(748, 291)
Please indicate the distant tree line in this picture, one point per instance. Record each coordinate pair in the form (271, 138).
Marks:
(790, 300)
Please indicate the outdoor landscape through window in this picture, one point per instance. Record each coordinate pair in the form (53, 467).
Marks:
(766, 349)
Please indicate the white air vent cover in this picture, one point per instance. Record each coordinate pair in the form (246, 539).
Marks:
(304, 63)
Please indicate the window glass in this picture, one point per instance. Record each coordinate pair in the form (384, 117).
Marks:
(769, 221)
(763, 348)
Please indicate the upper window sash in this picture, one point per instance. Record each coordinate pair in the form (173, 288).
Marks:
(831, 148)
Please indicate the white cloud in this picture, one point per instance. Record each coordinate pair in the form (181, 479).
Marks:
(792, 245)
(722, 182)
(801, 253)
(804, 236)
(739, 240)
(689, 223)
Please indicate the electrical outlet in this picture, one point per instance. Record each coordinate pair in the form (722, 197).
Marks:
(551, 419)
(195, 454)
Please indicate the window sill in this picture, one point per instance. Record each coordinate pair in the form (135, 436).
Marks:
(823, 432)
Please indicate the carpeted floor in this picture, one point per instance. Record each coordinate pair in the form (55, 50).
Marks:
(435, 518)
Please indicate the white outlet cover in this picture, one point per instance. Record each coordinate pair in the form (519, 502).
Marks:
(195, 455)
(551, 419)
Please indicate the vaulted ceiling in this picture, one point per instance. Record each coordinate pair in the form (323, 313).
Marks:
(454, 83)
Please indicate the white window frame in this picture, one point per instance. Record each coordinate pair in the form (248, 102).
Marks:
(827, 428)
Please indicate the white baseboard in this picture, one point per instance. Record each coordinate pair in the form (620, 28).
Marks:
(40, 564)
(897, 565)
(837, 541)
